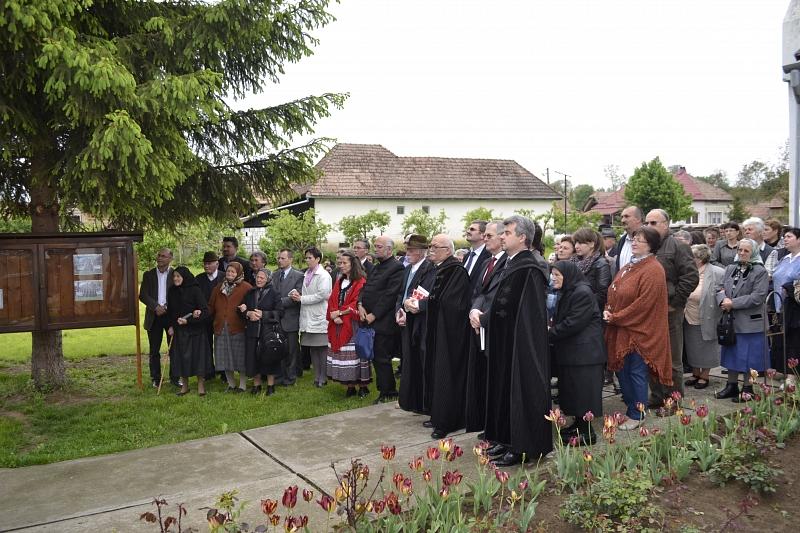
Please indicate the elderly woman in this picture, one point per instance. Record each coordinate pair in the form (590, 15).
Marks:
(261, 310)
(314, 313)
(591, 260)
(786, 275)
(576, 340)
(637, 336)
(711, 235)
(188, 312)
(565, 248)
(344, 365)
(724, 251)
(700, 318)
(745, 289)
(229, 343)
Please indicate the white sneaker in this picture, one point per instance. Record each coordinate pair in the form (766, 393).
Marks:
(630, 424)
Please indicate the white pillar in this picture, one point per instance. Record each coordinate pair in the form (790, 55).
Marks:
(791, 45)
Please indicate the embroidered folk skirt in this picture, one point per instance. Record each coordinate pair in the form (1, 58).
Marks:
(347, 368)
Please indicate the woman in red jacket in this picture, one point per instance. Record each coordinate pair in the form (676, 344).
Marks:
(344, 365)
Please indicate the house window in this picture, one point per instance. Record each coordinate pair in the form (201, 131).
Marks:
(426, 209)
(693, 219)
(714, 217)
(401, 210)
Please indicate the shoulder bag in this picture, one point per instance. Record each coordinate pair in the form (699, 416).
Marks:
(726, 335)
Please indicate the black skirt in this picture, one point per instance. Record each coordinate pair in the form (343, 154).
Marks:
(580, 389)
(254, 365)
(191, 353)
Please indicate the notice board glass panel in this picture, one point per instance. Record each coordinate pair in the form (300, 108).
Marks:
(17, 292)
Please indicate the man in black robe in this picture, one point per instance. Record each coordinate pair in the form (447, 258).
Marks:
(446, 337)
(518, 370)
(488, 282)
(410, 314)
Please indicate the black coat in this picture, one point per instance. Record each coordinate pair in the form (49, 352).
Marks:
(599, 278)
(206, 285)
(477, 270)
(518, 380)
(379, 295)
(412, 338)
(270, 305)
(447, 334)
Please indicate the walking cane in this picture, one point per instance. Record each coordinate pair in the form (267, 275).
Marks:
(166, 357)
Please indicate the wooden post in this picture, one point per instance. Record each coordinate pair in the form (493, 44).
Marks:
(138, 322)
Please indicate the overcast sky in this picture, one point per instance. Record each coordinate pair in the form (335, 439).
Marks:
(573, 85)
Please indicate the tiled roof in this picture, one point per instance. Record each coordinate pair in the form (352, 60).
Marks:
(699, 189)
(372, 171)
(609, 203)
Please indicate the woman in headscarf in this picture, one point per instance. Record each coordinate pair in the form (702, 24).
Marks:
(261, 309)
(188, 312)
(576, 338)
(229, 338)
(636, 333)
(785, 281)
(591, 260)
(344, 365)
(744, 293)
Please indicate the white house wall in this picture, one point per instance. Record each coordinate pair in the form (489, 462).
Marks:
(705, 208)
(331, 211)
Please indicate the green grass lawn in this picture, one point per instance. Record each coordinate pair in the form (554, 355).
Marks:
(102, 411)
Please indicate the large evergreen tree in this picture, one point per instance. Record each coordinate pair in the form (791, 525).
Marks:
(121, 108)
(652, 186)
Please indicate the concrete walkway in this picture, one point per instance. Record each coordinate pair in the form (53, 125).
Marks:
(109, 493)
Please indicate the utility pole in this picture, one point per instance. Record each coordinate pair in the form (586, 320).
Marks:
(565, 195)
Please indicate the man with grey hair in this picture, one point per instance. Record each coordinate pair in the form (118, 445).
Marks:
(446, 339)
(258, 260)
(376, 308)
(518, 367)
(753, 228)
(153, 294)
(361, 249)
(682, 277)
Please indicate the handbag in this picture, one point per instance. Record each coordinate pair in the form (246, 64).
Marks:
(272, 346)
(726, 334)
(365, 343)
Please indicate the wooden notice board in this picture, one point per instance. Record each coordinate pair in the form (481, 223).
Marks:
(67, 281)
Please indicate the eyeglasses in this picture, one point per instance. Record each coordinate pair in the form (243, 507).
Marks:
(652, 223)
(640, 241)
(432, 247)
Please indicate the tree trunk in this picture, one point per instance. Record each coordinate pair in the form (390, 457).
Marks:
(47, 354)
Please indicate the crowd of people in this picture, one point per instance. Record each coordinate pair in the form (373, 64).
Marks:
(483, 335)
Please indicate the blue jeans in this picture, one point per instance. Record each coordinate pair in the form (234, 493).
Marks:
(633, 380)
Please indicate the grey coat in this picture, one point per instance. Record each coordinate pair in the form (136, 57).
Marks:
(291, 309)
(710, 310)
(748, 297)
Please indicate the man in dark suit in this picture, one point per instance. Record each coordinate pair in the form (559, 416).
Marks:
(153, 294)
(207, 282)
(478, 317)
(376, 307)
(230, 249)
(478, 253)
(284, 281)
(361, 249)
(632, 218)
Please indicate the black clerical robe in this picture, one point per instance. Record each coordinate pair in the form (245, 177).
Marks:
(518, 381)
(446, 345)
(412, 337)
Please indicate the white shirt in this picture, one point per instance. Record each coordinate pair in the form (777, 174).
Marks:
(212, 277)
(626, 252)
(476, 251)
(162, 286)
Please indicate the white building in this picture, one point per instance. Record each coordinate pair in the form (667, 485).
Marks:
(355, 178)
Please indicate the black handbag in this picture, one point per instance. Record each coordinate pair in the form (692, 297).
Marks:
(726, 335)
(272, 346)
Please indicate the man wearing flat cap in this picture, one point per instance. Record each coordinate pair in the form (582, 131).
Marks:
(410, 315)
(207, 281)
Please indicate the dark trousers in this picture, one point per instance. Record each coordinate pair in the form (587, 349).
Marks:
(155, 335)
(290, 365)
(633, 382)
(385, 347)
(658, 391)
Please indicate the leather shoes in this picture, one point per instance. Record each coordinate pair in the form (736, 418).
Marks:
(481, 435)
(497, 449)
(383, 398)
(351, 391)
(701, 384)
(427, 424)
(509, 459)
(438, 434)
(691, 382)
(731, 390)
(363, 392)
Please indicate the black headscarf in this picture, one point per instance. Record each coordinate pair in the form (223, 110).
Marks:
(188, 277)
(179, 297)
(572, 275)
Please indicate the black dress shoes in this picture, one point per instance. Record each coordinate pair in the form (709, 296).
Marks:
(509, 459)
(438, 434)
(731, 390)
(363, 392)
(383, 398)
(482, 435)
(270, 390)
(497, 449)
(255, 390)
(427, 424)
(351, 391)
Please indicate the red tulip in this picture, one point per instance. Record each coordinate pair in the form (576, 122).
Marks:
(327, 503)
(452, 478)
(416, 464)
(406, 486)
(426, 475)
(573, 441)
(268, 507)
(388, 452)
(643, 431)
(290, 524)
(619, 418)
(588, 417)
(792, 362)
(771, 373)
(378, 506)
(686, 420)
(290, 497)
(444, 492)
(676, 396)
(702, 411)
(455, 453)
(501, 476)
(433, 453)
(274, 519)
(302, 521)
(398, 480)
(308, 495)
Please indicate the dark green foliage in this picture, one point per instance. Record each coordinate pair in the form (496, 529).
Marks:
(652, 186)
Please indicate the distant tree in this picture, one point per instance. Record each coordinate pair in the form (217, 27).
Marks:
(527, 213)
(558, 186)
(553, 219)
(580, 194)
(422, 223)
(673, 169)
(356, 227)
(652, 186)
(479, 213)
(296, 233)
(738, 213)
(717, 179)
(613, 175)
(753, 174)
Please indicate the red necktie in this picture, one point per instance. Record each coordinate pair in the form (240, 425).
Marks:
(489, 270)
